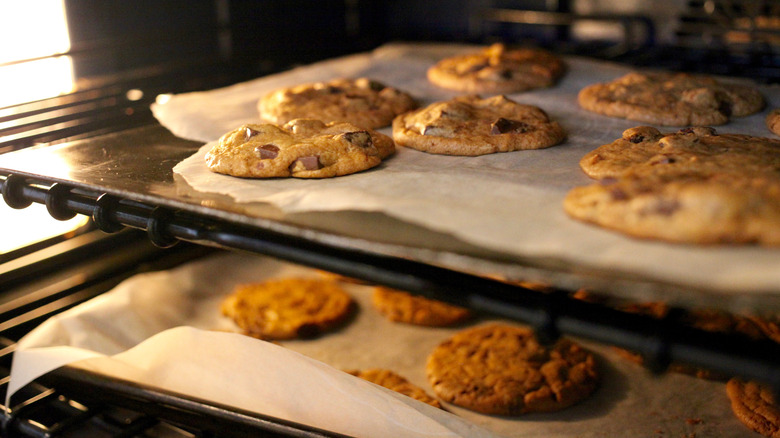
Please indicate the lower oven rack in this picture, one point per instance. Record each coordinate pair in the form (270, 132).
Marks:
(660, 341)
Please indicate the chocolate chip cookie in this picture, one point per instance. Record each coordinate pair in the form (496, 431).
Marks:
(362, 102)
(691, 186)
(470, 125)
(673, 99)
(397, 383)
(288, 308)
(756, 406)
(404, 307)
(302, 148)
(504, 370)
(773, 121)
(498, 69)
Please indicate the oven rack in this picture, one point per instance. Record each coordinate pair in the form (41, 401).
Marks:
(551, 313)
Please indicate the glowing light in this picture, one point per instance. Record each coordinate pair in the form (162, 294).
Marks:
(33, 29)
(134, 94)
(162, 99)
(33, 224)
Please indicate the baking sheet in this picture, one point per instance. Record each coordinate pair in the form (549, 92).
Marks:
(509, 202)
(164, 329)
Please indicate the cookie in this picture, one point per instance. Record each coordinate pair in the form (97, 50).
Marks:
(302, 148)
(755, 405)
(470, 125)
(773, 121)
(288, 308)
(711, 320)
(363, 102)
(692, 186)
(498, 69)
(397, 383)
(400, 306)
(504, 370)
(673, 99)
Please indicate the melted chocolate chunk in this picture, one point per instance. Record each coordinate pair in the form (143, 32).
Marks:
(725, 108)
(311, 162)
(359, 138)
(636, 138)
(249, 132)
(267, 151)
(503, 126)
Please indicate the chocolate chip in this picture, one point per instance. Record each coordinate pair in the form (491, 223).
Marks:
(330, 89)
(311, 162)
(667, 207)
(505, 74)
(502, 126)
(267, 151)
(617, 194)
(359, 138)
(665, 159)
(636, 138)
(249, 132)
(376, 86)
(725, 108)
(686, 131)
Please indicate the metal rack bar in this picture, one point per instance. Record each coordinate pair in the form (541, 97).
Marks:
(661, 341)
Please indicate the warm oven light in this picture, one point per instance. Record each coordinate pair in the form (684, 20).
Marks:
(32, 33)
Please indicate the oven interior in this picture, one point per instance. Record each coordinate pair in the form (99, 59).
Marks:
(127, 54)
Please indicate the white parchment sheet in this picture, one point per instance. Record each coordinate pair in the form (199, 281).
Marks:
(164, 329)
(509, 202)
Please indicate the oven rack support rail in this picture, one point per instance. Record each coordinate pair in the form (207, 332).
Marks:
(660, 341)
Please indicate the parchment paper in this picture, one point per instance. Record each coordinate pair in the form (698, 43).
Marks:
(510, 202)
(164, 329)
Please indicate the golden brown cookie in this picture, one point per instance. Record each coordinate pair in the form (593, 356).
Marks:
(362, 102)
(303, 148)
(504, 370)
(498, 69)
(404, 307)
(397, 383)
(469, 125)
(755, 406)
(674, 99)
(288, 308)
(692, 186)
(773, 121)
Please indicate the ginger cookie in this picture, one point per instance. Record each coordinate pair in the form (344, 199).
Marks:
(288, 308)
(673, 99)
(363, 102)
(504, 370)
(498, 69)
(470, 125)
(397, 383)
(404, 307)
(755, 405)
(302, 148)
(773, 121)
(692, 186)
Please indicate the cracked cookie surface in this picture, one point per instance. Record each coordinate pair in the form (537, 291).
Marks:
(302, 148)
(672, 99)
(503, 370)
(755, 406)
(498, 69)
(470, 125)
(692, 186)
(363, 102)
(288, 308)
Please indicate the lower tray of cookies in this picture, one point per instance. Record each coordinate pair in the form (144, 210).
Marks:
(354, 358)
